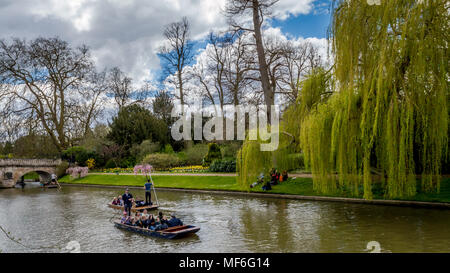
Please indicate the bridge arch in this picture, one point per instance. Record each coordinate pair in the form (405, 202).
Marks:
(11, 170)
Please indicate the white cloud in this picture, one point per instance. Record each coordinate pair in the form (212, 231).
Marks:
(120, 33)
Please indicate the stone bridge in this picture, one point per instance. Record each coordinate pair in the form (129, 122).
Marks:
(11, 170)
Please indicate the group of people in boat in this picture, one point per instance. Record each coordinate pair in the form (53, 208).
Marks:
(274, 178)
(144, 219)
(127, 200)
(148, 221)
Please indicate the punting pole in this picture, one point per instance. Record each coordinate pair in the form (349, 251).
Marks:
(154, 191)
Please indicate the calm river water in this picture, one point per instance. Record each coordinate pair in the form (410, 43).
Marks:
(47, 220)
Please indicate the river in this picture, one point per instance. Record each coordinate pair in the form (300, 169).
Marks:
(47, 220)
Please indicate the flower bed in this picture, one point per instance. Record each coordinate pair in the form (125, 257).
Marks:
(190, 169)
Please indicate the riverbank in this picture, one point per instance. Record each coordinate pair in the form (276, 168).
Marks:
(298, 187)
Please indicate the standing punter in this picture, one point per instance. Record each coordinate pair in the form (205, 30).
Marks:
(127, 201)
(148, 192)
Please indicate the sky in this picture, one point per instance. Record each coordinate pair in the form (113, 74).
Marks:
(128, 33)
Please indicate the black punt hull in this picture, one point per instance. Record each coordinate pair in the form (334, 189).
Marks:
(165, 233)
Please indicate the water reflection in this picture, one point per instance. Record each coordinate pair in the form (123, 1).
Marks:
(46, 220)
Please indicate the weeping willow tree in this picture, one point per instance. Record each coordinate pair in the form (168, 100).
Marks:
(389, 112)
(251, 161)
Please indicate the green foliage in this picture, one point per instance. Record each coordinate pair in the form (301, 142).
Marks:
(35, 146)
(162, 161)
(230, 149)
(193, 155)
(251, 162)
(110, 164)
(224, 166)
(61, 168)
(134, 124)
(77, 154)
(168, 149)
(145, 148)
(7, 148)
(390, 110)
(213, 154)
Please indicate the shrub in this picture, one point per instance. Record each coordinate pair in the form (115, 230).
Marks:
(213, 154)
(110, 164)
(223, 166)
(61, 168)
(90, 163)
(168, 149)
(193, 155)
(145, 148)
(77, 154)
(161, 161)
(230, 149)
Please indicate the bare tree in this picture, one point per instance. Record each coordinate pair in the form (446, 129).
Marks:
(120, 86)
(298, 60)
(258, 10)
(51, 82)
(162, 107)
(177, 54)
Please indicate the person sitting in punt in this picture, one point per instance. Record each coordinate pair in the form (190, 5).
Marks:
(128, 221)
(120, 200)
(124, 218)
(162, 222)
(151, 222)
(174, 221)
(115, 201)
(145, 213)
(162, 218)
(138, 221)
(144, 221)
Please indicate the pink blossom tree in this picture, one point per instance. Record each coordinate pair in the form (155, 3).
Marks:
(77, 172)
(145, 169)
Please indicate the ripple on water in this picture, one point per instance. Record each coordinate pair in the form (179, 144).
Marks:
(228, 224)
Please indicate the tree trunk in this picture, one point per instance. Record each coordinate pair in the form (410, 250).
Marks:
(263, 69)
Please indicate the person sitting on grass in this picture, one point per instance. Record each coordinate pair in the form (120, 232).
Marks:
(284, 176)
(259, 180)
(174, 221)
(273, 178)
(267, 186)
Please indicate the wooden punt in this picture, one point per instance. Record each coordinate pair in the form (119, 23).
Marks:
(168, 233)
(51, 186)
(134, 209)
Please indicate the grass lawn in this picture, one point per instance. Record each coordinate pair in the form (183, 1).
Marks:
(185, 182)
(31, 175)
(299, 186)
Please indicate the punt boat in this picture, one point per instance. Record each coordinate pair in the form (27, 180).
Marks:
(134, 208)
(168, 233)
